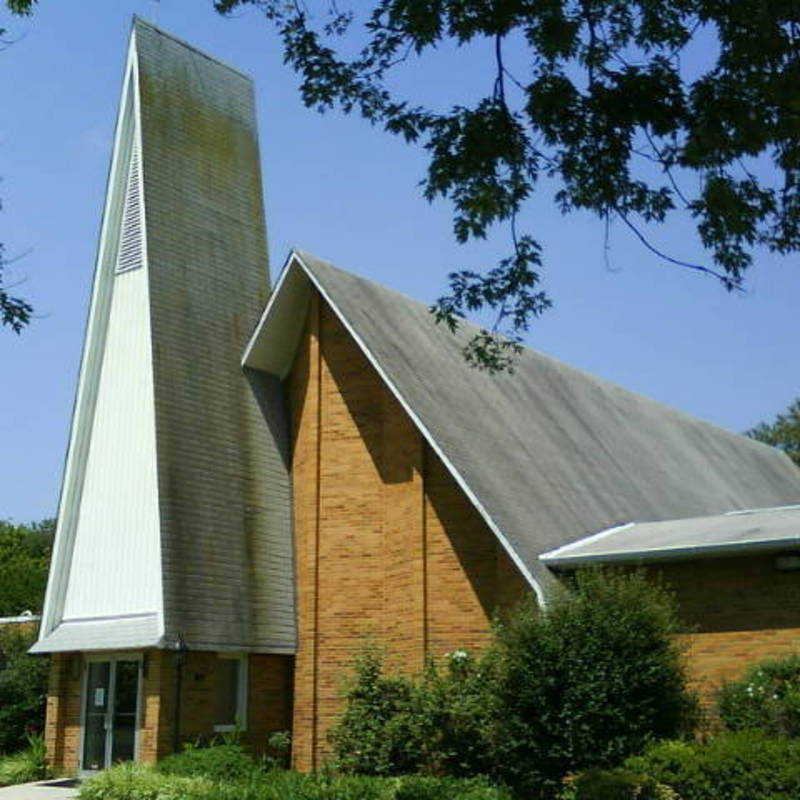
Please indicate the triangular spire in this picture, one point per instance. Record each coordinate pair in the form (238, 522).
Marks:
(175, 510)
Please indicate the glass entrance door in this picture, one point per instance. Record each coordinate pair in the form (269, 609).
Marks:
(110, 712)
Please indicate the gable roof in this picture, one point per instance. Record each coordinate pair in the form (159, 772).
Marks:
(548, 454)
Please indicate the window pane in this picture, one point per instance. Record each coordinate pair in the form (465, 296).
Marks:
(126, 695)
(227, 691)
(94, 741)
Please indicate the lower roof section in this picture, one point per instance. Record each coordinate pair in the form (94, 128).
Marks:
(755, 530)
(137, 632)
(134, 631)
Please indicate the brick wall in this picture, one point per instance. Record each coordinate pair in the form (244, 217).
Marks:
(269, 704)
(386, 544)
(741, 610)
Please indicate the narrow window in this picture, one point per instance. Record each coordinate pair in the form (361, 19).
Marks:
(230, 709)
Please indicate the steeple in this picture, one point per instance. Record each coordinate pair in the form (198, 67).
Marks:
(175, 508)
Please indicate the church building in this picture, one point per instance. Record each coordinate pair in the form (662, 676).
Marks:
(260, 477)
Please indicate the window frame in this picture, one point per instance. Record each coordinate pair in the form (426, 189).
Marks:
(241, 693)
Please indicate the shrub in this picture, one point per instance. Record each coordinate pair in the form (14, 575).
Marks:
(746, 765)
(137, 782)
(279, 751)
(222, 760)
(131, 781)
(27, 765)
(766, 698)
(589, 681)
(615, 784)
(23, 688)
(420, 787)
(581, 685)
(437, 724)
(373, 736)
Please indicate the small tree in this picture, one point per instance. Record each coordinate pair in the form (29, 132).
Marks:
(589, 681)
(370, 739)
(437, 724)
(23, 688)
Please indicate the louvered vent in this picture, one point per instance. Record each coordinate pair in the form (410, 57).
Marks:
(130, 241)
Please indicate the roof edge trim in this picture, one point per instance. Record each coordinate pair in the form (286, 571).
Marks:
(550, 555)
(669, 553)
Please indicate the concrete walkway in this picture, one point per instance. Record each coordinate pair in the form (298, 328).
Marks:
(54, 789)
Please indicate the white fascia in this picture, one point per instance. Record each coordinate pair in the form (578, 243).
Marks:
(553, 556)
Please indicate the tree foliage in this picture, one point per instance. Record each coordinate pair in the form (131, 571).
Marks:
(23, 688)
(605, 107)
(783, 432)
(24, 563)
(15, 312)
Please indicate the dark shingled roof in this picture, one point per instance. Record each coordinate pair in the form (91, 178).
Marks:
(548, 454)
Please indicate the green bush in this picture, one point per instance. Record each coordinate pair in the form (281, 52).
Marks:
(372, 736)
(615, 784)
(421, 787)
(437, 724)
(588, 681)
(137, 782)
(130, 781)
(27, 765)
(766, 698)
(746, 765)
(23, 688)
(223, 760)
(581, 685)
(279, 751)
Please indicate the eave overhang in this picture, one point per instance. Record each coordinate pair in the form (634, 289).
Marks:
(767, 530)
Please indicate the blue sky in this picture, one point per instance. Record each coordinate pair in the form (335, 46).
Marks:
(349, 193)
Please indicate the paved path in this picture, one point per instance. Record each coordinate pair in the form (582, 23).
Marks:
(55, 789)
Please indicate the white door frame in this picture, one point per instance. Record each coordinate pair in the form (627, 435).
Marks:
(112, 659)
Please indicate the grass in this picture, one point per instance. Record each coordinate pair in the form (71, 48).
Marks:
(139, 782)
(26, 765)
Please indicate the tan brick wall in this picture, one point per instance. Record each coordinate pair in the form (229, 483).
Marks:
(386, 544)
(742, 610)
(269, 704)
(63, 715)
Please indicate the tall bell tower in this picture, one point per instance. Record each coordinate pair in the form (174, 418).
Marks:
(174, 519)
